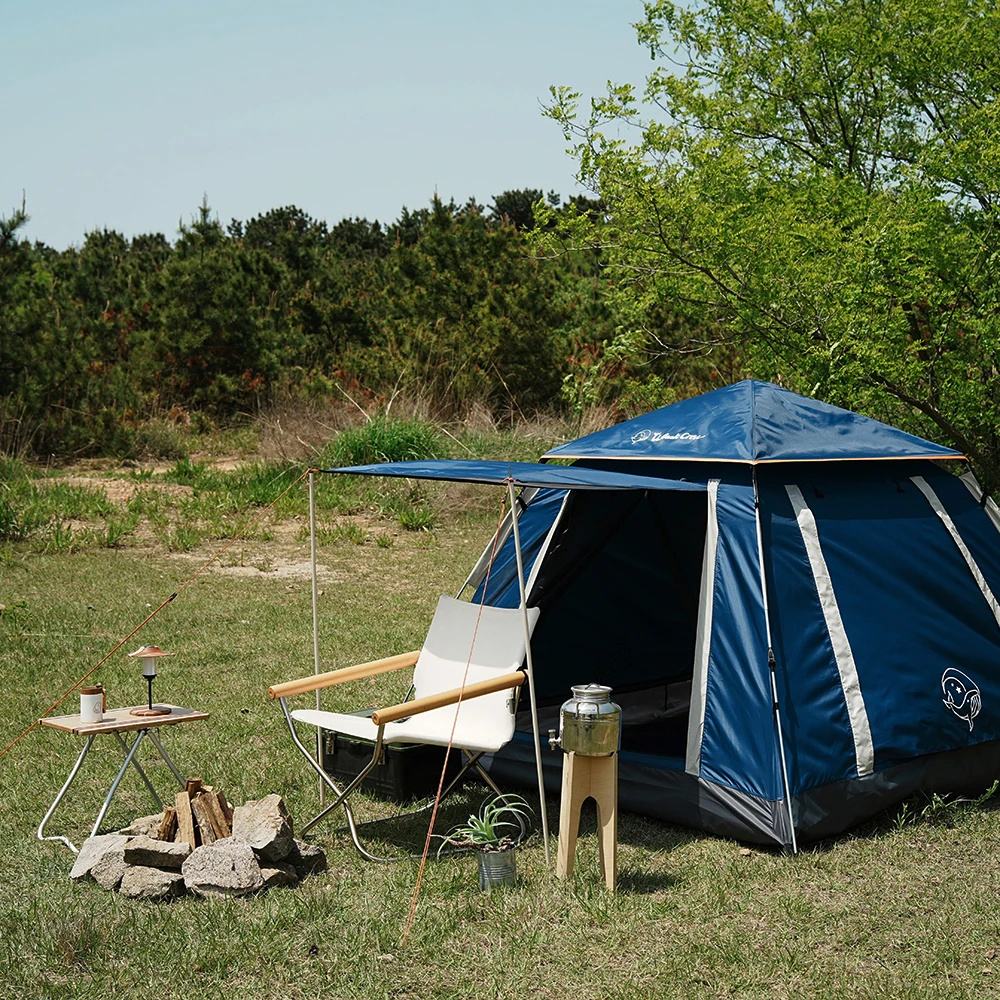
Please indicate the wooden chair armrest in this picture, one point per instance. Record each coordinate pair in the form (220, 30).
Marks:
(343, 675)
(432, 701)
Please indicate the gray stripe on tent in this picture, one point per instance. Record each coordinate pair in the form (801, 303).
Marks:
(992, 510)
(540, 558)
(938, 508)
(703, 637)
(864, 750)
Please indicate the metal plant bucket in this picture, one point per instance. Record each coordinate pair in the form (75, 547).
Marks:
(497, 868)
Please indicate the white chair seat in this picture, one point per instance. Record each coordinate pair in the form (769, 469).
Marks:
(475, 734)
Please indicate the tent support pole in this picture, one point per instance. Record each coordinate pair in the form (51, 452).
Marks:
(531, 672)
(478, 572)
(771, 665)
(315, 611)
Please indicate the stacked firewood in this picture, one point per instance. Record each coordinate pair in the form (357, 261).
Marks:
(200, 815)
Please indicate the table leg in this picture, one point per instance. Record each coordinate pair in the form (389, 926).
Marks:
(166, 758)
(138, 767)
(62, 792)
(118, 777)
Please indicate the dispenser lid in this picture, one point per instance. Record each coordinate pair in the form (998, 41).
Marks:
(591, 692)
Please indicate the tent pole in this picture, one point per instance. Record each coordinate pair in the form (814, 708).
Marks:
(771, 664)
(478, 572)
(531, 673)
(315, 611)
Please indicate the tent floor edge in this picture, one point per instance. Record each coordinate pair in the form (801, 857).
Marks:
(823, 812)
(829, 810)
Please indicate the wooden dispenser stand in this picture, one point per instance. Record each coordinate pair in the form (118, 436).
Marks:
(597, 778)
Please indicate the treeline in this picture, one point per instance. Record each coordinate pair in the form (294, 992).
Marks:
(448, 303)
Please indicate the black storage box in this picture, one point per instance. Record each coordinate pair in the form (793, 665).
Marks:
(409, 770)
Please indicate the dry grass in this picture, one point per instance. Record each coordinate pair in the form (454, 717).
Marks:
(297, 431)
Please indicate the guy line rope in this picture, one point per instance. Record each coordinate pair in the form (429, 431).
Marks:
(451, 737)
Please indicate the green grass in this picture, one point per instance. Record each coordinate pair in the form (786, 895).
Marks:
(904, 907)
(899, 909)
(193, 502)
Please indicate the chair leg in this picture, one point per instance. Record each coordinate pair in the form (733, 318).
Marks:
(341, 798)
(342, 794)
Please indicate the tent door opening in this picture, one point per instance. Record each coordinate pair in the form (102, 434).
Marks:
(618, 590)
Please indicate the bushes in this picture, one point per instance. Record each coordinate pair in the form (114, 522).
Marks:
(383, 440)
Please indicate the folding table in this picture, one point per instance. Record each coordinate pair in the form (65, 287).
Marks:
(116, 722)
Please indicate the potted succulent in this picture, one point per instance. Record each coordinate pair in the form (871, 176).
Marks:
(488, 833)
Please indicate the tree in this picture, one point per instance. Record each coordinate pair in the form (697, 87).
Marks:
(516, 207)
(11, 248)
(359, 238)
(288, 234)
(462, 314)
(819, 183)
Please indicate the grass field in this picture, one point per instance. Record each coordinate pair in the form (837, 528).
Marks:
(906, 907)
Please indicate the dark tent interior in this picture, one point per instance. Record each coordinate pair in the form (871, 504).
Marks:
(618, 591)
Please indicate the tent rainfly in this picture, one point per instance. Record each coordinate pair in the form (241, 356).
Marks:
(800, 622)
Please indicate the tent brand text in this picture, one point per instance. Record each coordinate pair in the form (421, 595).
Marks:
(654, 436)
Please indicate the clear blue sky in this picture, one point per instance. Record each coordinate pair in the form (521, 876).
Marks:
(121, 115)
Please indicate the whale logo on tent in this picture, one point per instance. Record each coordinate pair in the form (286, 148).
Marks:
(961, 695)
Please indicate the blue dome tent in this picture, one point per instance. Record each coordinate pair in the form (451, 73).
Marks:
(801, 643)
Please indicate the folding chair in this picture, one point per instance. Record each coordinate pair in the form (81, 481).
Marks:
(490, 642)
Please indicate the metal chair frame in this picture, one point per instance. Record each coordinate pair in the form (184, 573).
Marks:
(378, 757)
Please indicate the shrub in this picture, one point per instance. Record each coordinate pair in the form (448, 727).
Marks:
(383, 440)
(416, 518)
(160, 439)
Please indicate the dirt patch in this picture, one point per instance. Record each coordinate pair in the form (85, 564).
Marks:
(277, 569)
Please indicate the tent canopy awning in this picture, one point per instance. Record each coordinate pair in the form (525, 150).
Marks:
(556, 477)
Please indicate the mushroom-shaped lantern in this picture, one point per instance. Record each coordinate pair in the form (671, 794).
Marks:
(148, 655)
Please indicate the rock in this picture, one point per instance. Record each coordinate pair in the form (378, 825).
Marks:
(266, 826)
(151, 883)
(226, 868)
(108, 872)
(144, 826)
(279, 873)
(148, 853)
(94, 848)
(307, 859)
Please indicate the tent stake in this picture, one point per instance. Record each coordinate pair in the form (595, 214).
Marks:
(315, 610)
(531, 672)
(771, 665)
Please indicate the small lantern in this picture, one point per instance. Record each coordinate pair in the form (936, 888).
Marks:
(149, 655)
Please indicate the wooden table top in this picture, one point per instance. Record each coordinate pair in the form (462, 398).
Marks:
(119, 720)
